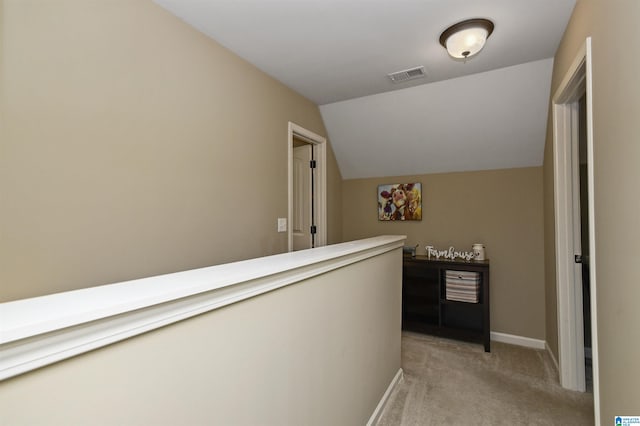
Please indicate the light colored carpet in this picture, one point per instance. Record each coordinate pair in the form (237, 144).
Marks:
(448, 382)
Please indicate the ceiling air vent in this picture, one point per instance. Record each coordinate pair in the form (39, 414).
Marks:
(410, 74)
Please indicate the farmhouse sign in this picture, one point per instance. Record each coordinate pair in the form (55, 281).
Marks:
(451, 253)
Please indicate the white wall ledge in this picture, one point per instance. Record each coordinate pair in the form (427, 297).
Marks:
(39, 331)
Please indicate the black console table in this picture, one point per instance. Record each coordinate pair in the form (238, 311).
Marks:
(425, 307)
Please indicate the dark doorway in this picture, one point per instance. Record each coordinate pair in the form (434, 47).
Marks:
(584, 239)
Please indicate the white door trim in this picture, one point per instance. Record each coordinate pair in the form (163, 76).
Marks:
(320, 190)
(577, 81)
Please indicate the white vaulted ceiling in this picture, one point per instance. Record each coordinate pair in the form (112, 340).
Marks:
(489, 112)
(490, 120)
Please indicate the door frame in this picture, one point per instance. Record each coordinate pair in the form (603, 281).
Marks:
(320, 182)
(577, 81)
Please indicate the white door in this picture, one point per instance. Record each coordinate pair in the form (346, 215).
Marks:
(299, 136)
(566, 129)
(302, 198)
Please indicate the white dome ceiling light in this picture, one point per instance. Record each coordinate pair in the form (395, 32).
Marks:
(466, 38)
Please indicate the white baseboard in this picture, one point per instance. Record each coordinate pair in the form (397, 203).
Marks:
(553, 357)
(383, 401)
(518, 340)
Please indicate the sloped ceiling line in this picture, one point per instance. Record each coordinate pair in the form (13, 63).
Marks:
(489, 112)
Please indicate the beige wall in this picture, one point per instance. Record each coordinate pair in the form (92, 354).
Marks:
(616, 108)
(319, 352)
(133, 145)
(500, 208)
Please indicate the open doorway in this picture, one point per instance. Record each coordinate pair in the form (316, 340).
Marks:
(584, 257)
(307, 185)
(575, 238)
(303, 219)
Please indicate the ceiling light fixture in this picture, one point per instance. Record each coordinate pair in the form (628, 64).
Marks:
(466, 38)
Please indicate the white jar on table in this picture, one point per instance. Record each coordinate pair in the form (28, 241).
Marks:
(478, 251)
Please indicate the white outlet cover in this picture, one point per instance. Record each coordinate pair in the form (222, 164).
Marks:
(282, 224)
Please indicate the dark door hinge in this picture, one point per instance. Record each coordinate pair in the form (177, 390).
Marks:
(313, 229)
(312, 164)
